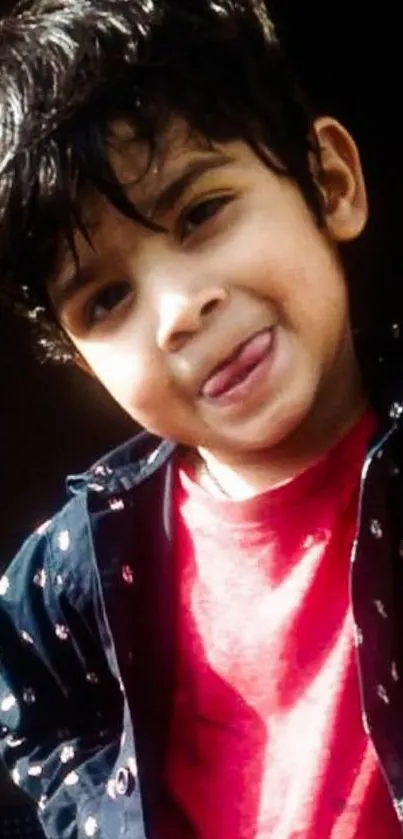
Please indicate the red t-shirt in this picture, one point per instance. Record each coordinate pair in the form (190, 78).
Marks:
(267, 740)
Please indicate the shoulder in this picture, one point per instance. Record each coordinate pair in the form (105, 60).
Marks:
(123, 468)
(51, 560)
(60, 551)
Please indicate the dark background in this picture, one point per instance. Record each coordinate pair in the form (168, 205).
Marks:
(53, 420)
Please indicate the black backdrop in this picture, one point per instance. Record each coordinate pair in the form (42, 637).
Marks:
(53, 420)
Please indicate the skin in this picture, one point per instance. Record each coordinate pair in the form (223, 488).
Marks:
(240, 252)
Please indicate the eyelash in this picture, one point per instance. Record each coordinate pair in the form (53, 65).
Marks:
(215, 203)
(89, 310)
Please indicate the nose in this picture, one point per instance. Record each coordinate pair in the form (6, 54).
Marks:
(183, 315)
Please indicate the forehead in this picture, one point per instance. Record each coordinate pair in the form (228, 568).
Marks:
(146, 173)
(145, 170)
(142, 168)
(153, 181)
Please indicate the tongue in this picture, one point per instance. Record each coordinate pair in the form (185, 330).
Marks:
(232, 373)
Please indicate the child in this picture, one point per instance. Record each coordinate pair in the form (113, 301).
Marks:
(205, 642)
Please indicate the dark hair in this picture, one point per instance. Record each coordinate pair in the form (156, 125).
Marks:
(69, 68)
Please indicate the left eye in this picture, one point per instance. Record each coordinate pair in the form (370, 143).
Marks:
(200, 213)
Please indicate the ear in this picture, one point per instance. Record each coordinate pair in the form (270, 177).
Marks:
(340, 179)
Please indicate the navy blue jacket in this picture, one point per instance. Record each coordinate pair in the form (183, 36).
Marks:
(87, 628)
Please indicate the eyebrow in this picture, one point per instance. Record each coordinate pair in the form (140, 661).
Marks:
(171, 192)
(152, 205)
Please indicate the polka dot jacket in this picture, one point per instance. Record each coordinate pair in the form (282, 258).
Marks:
(87, 632)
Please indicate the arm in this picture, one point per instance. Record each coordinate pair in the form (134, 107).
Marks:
(61, 708)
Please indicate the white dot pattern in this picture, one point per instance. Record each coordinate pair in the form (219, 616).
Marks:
(91, 826)
(382, 693)
(29, 696)
(100, 470)
(127, 574)
(71, 779)
(62, 631)
(35, 771)
(96, 487)
(380, 608)
(16, 777)
(116, 504)
(63, 540)
(396, 410)
(4, 585)
(8, 702)
(67, 754)
(40, 578)
(376, 529)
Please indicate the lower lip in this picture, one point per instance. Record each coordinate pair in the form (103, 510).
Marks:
(240, 392)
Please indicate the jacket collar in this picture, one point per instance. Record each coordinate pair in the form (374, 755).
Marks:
(125, 467)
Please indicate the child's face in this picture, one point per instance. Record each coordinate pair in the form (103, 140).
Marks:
(154, 313)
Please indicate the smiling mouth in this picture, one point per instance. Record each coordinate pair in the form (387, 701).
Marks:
(238, 367)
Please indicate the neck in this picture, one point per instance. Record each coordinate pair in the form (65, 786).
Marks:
(243, 476)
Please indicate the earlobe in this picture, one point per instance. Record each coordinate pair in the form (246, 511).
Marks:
(341, 181)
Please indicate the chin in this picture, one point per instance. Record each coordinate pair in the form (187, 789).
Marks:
(273, 431)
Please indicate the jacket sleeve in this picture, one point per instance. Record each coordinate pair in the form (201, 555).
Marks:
(61, 707)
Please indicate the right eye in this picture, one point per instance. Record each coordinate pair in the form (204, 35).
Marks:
(105, 302)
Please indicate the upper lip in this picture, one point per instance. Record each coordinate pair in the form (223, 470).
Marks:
(230, 357)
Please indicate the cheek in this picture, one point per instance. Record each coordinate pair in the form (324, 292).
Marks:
(290, 262)
(318, 302)
(136, 383)
(268, 251)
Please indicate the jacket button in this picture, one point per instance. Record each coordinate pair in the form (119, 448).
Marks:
(125, 783)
